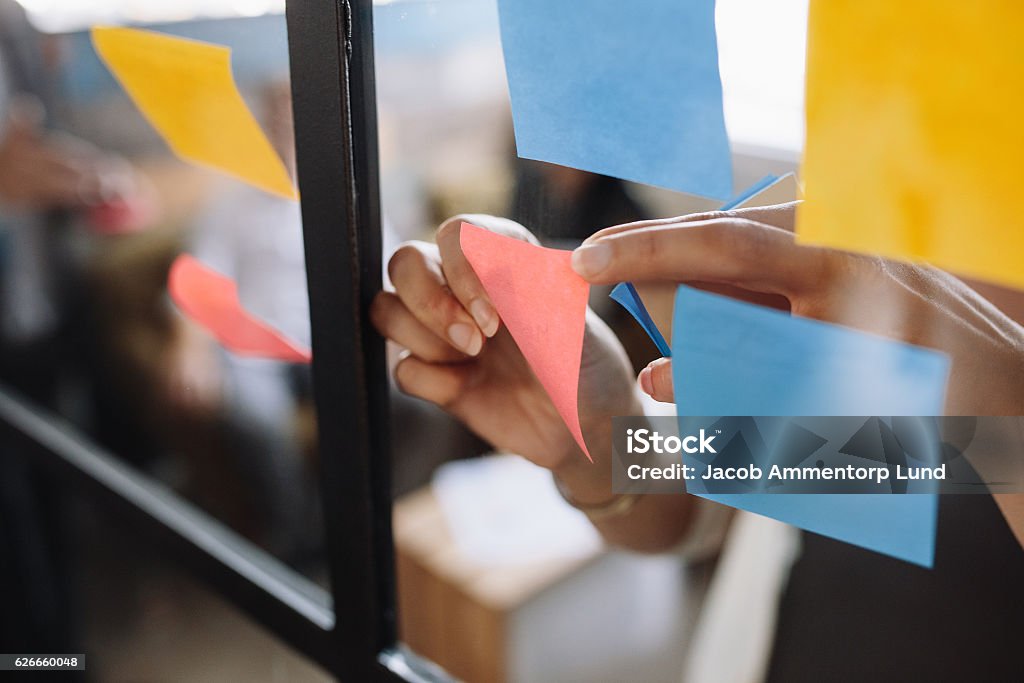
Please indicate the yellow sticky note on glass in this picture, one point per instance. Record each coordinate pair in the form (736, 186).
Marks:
(915, 146)
(186, 91)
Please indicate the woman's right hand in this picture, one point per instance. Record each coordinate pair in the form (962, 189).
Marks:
(460, 357)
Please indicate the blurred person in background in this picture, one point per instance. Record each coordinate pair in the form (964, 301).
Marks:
(45, 177)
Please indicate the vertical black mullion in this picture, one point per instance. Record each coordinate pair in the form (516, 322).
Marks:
(362, 78)
(330, 48)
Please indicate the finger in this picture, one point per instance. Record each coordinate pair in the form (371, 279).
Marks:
(394, 321)
(50, 183)
(459, 273)
(66, 183)
(780, 215)
(732, 251)
(439, 384)
(117, 180)
(415, 271)
(72, 147)
(656, 380)
(89, 184)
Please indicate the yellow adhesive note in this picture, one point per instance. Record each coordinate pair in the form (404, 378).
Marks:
(186, 91)
(915, 148)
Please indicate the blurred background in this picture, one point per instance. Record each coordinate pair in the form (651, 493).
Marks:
(486, 579)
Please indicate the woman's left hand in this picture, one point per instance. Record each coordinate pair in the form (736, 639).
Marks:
(742, 255)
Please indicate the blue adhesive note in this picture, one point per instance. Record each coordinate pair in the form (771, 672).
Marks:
(631, 92)
(735, 358)
(627, 297)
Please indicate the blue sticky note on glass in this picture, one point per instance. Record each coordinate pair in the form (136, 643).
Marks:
(627, 90)
(734, 358)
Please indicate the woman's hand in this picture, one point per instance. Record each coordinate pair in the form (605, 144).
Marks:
(42, 170)
(461, 358)
(752, 255)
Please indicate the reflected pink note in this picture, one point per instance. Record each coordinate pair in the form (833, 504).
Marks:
(543, 303)
(211, 301)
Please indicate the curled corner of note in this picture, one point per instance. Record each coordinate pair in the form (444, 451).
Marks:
(211, 301)
(625, 295)
(520, 278)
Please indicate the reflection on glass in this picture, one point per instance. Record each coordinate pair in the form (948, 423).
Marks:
(143, 620)
(234, 434)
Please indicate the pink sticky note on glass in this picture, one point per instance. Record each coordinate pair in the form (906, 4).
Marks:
(211, 301)
(543, 303)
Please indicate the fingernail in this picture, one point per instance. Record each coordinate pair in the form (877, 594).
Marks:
(657, 362)
(466, 338)
(645, 381)
(591, 259)
(485, 316)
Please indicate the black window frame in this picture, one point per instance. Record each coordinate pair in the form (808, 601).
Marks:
(350, 630)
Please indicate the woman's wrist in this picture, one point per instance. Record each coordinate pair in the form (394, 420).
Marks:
(617, 505)
(590, 482)
(584, 480)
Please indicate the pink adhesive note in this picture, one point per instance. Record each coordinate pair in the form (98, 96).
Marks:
(211, 301)
(543, 303)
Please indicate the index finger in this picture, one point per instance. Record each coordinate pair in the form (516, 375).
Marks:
(461, 278)
(779, 215)
(732, 251)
